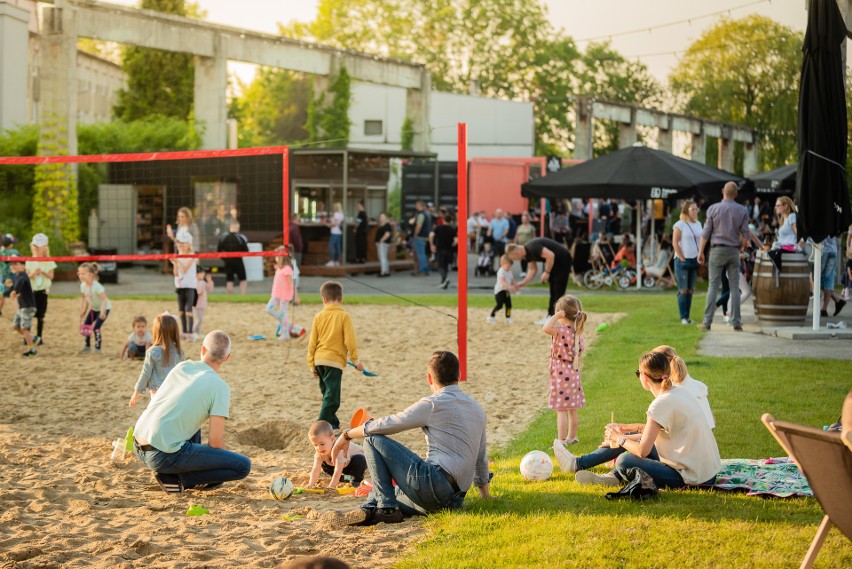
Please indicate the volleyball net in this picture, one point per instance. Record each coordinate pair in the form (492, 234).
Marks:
(130, 206)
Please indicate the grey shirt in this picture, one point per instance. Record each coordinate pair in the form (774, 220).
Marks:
(726, 222)
(156, 367)
(454, 425)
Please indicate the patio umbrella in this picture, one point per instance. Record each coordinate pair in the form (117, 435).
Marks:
(633, 173)
(822, 193)
(778, 182)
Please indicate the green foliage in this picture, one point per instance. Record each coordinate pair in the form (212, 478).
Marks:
(746, 71)
(158, 82)
(407, 135)
(328, 115)
(273, 109)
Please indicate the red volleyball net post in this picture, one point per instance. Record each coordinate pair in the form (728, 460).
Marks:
(137, 195)
(462, 249)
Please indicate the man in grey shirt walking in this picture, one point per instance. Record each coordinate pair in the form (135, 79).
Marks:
(454, 425)
(727, 223)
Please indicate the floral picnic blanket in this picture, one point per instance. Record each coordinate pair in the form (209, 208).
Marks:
(773, 476)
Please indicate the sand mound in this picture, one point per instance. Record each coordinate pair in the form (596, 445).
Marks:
(276, 435)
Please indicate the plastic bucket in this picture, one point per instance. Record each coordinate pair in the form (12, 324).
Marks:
(360, 417)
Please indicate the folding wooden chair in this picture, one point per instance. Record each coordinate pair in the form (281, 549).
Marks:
(827, 464)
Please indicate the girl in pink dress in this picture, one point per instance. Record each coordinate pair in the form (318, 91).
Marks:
(566, 392)
(282, 293)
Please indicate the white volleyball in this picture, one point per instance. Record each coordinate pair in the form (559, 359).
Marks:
(536, 465)
(281, 488)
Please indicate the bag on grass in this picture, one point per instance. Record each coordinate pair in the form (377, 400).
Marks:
(640, 486)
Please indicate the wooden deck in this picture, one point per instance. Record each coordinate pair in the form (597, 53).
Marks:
(354, 269)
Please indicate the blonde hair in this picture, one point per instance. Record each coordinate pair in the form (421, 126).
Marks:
(788, 203)
(675, 361)
(661, 369)
(188, 213)
(165, 333)
(573, 310)
(684, 209)
(282, 260)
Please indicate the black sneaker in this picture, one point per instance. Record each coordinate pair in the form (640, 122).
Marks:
(29, 353)
(823, 313)
(838, 306)
(387, 516)
(205, 486)
(170, 483)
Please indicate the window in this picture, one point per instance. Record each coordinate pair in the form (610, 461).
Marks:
(372, 128)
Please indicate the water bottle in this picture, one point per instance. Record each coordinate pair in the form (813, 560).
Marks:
(118, 451)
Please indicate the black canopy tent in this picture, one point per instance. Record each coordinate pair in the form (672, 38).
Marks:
(778, 182)
(634, 173)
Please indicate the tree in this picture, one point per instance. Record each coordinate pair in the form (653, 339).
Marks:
(328, 120)
(746, 72)
(158, 82)
(273, 108)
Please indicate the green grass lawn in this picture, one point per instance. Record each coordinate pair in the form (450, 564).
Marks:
(559, 523)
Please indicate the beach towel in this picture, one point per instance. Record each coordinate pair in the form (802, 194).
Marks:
(770, 476)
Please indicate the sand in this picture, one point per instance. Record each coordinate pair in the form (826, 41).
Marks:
(64, 503)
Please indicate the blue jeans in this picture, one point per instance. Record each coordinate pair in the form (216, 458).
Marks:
(685, 271)
(604, 454)
(421, 487)
(334, 246)
(196, 463)
(420, 244)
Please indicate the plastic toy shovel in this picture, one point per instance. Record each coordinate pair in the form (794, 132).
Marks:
(365, 372)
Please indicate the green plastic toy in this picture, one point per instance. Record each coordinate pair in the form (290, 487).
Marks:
(128, 440)
(601, 327)
(197, 510)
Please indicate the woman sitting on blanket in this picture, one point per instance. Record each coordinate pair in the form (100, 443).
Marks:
(675, 446)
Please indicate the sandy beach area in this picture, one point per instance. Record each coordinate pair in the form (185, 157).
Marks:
(63, 503)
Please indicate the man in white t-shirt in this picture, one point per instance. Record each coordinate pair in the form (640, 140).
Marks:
(168, 434)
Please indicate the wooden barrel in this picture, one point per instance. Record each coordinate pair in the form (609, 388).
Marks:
(783, 300)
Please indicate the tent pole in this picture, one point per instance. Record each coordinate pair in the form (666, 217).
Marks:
(638, 244)
(817, 304)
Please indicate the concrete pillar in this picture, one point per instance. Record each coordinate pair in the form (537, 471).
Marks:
(211, 103)
(627, 131)
(58, 80)
(726, 150)
(750, 158)
(418, 107)
(699, 147)
(664, 138)
(583, 129)
(14, 41)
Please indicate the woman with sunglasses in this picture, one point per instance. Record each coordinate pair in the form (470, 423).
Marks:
(675, 446)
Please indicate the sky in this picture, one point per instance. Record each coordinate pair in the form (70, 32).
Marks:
(668, 26)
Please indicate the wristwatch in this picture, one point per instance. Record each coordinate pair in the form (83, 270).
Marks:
(346, 435)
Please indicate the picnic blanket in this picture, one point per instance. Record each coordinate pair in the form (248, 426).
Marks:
(769, 476)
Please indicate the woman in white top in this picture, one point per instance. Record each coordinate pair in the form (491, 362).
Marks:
(785, 210)
(675, 446)
(335, 241)
(686, 237)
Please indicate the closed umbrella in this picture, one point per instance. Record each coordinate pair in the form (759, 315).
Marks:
(822, 193)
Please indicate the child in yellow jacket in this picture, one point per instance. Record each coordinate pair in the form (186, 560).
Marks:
(332, 336)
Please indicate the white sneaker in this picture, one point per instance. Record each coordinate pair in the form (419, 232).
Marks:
(567, 461)
(684, 321)
(509, 321)
(491, 320)
(543, 321)
(522, 275)
(586, 477)
(330, 264)
(727, 319)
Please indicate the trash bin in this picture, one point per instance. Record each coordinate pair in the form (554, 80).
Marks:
(108, 269)
(254, 265)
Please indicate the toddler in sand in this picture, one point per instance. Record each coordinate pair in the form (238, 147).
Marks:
(139, 340)
(332, 337)
(164, 355)
(322, 438)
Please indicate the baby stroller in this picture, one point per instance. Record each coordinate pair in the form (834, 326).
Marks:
(485, 261)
